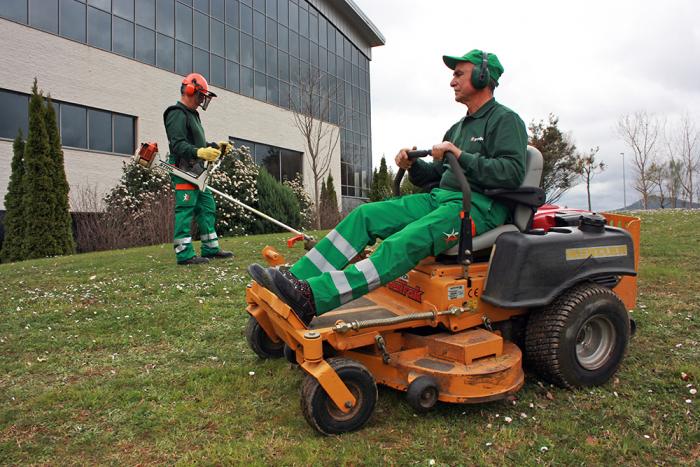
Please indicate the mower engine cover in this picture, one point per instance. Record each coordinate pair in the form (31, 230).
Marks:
(531, 269)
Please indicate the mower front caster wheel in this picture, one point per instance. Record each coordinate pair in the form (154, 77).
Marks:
(322, 413)
(260, 342)
(422, 394)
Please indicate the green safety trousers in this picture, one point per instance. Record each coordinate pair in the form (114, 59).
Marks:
(411, 227)
(190, 203)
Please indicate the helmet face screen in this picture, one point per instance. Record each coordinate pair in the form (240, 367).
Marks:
(204, 100)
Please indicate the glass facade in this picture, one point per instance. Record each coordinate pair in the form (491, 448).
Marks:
(264, 49)
(80, 127)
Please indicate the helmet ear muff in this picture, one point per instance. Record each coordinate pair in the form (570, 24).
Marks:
(188, 89)
(480, 73)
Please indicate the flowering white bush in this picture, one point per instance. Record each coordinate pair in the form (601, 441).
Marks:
(138, 187)
(236, 177)
(306, 206)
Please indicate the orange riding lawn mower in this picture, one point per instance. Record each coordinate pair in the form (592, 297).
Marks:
(555, 285)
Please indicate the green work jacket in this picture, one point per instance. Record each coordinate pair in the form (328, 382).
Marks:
(185, 132)
(494, 149)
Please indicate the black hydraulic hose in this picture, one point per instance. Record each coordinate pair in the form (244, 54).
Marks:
(401, 172)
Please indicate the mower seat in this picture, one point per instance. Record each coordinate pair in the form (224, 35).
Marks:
(522, 201)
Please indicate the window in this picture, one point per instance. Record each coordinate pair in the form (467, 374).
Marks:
(73, 126)
(183, 23)
(201, 62)
(233, 81)
(44, 15)
(232, 13)
(80, 127)
(123, 38)
(102, 4)
(146, 13)
(259, 25)
(124, 134)
(232, 39)
(183, 58)
(145, 49)
(201, 31)
(246, 19)
(14, 9)
(202, 5)
(124, 8)
(72, 20)
(165, 52)
(216, 9)
(246, 81)
(99, 28)
(100, 130)
(283, 164)
(165, 17)
(14, 115)
(217, 71)
(217, 38)
(246, 50)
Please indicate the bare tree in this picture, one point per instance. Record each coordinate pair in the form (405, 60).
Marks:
(657, 176)
(686, 145)
(672, 182)
(587, 167)
(640, 131)
(313, 106)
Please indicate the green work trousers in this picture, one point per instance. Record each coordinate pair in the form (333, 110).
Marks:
(411, 227)
(190, 203)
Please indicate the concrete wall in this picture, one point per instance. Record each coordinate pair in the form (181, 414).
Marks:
(76, 73)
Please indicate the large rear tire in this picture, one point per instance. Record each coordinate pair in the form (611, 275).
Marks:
(580, 339)
(322, 413)
(260, 342)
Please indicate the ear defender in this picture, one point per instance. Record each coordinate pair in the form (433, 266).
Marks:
(480, 73)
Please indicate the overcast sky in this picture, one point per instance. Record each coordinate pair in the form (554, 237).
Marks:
(588, 62)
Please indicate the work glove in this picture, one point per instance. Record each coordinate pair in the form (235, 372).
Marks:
(208, 154)
(225, 147)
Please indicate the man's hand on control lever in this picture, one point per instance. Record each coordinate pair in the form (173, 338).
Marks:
(439, 150)
(402, 159)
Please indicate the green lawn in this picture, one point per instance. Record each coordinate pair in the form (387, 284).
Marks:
(125, 358)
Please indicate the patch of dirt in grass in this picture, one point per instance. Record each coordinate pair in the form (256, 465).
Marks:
(21, 434)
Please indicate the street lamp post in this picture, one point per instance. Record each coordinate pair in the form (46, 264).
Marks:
(624, 182)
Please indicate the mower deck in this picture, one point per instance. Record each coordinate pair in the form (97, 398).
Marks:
(469, 364)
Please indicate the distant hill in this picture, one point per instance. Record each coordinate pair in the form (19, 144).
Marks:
(654, 202)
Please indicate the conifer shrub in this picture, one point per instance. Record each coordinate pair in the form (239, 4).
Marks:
(277, 201)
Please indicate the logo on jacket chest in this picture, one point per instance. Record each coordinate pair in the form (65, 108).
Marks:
(475, 139)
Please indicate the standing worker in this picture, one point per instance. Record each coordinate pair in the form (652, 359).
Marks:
(188, 150)
(490, 144)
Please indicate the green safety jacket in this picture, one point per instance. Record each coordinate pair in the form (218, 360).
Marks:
(185, 134)
(494, 149)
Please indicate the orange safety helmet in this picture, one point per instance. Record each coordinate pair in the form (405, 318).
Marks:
(194, 83)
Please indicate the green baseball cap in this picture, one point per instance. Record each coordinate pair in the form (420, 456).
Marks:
(475, 57)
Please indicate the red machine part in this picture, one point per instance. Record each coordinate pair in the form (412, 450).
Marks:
(544, 217)
(147, 153)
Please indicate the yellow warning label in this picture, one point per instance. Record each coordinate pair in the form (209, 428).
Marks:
(609, 251)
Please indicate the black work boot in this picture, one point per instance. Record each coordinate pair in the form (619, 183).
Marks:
(193, 260)
(221, 254)
(261, 276)
(295, 293)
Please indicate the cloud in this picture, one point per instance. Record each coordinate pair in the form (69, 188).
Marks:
(588, 62)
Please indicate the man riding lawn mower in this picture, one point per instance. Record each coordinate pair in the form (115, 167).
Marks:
(452, 327)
